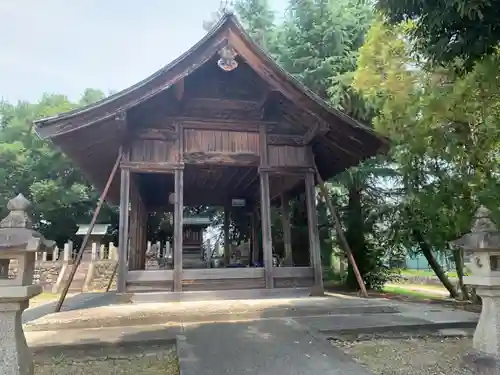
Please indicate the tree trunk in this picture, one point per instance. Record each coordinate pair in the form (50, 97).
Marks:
(436, 267)
(458, 257)
(354, 234)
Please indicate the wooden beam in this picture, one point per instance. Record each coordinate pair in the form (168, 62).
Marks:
(223, 273)
(199, 198)
(287, 233)
(141, 276)
(157, 134)
(150, 166)
(179, 89)
(222, 158)
(225, 108)
(220, 124)
(287, 272)
(314, 245)
(340, 234)
(296, 170)
(285, 140)
(79, 256)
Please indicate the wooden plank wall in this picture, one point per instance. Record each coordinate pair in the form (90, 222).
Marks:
(197, 140)
(153, 150)
(222, 284)
(293, 277)
(288, 156)
(150, 281)
(293, 282)
(223, 279)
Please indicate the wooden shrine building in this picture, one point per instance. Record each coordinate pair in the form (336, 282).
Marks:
(222, 123)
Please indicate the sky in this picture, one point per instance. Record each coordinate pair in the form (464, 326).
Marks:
(64, 47)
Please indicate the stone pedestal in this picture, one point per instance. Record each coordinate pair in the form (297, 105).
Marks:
(487, 334)
(485, 358)
(15, 356)
(482, 246)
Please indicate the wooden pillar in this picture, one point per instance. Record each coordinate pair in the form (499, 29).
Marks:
(314, 244)
(265, 207)
(227, 248)
(287, 233)
(133, 257)
(267, 242)
(178, 226)
(123, 230)
(143, 229)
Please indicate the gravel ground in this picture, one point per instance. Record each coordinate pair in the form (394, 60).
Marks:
(146, 363)
(413, 356)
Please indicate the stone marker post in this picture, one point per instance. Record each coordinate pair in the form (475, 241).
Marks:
(17, 242)
(482, 245)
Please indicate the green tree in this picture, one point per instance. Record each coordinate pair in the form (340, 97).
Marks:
(446, 30)
(445, 129)
(258, 19)
(61, 196)
(319, 42)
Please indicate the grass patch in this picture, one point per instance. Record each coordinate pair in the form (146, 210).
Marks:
(424, 273)
(127, 360)
(401, 290)
(125, 366)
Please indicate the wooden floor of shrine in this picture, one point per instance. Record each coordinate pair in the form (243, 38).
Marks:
(218, 279)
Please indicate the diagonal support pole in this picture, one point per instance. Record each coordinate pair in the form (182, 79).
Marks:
(89, 231)
(340, 233)
(112, 277)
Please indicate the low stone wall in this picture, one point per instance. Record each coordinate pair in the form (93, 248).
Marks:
(93, 274)
(47, 274)
(103, 271)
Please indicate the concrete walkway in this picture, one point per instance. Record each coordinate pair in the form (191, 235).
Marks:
(277, 347)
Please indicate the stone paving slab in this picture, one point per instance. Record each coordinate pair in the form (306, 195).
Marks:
(76, 302)
(355, 321)
(269, 347)
(102, 336)
(160, 313)
(436, 314)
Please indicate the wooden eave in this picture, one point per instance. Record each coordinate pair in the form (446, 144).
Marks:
(342, 135)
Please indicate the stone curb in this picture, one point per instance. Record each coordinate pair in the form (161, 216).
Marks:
(400, 328)
(183, 353)
(96, 344)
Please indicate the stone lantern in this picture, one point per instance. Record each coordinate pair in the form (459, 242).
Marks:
(18, 242)
(482, 247)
